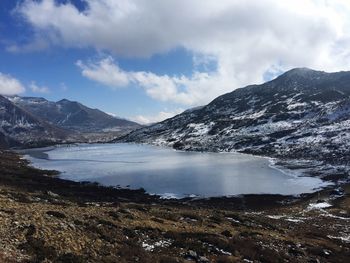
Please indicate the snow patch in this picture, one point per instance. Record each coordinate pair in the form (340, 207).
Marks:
(319, 205)
(345, 239)
(151, 246)
(169, 196)
(200, 128)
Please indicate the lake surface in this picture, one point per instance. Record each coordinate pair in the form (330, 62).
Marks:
(172, 173)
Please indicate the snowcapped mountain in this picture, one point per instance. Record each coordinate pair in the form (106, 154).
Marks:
(302, 114)
(18, 127)
(30, 121)
(72, 115)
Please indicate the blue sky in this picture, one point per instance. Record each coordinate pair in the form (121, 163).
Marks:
(55, 69)
(150, 60)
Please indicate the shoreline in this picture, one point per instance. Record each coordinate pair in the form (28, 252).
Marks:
(45, 218)
(41, 153)
(268, 199)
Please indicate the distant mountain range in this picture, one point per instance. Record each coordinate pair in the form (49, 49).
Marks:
(72, 115)
(18, 127)
(301, 114)
(30, 121)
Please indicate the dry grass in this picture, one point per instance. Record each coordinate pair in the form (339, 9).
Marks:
(35, 227)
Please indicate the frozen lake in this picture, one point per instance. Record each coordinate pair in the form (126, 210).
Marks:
(168, 173)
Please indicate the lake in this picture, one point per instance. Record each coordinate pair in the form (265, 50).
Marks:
(171, 173)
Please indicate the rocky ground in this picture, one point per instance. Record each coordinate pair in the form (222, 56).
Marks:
(45, 219)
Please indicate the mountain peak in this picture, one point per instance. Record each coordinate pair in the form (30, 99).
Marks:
(72, 115)
(303, 75)
(64, 101)
(33, 100)
(301, 69)
(304, 72)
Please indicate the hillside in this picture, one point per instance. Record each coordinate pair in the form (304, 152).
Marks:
(32, 122)
(302, 114)
(18, 127)
(72, 115)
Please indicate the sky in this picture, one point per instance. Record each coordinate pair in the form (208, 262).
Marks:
(149, 60)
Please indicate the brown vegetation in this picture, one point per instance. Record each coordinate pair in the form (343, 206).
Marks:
(45, 219)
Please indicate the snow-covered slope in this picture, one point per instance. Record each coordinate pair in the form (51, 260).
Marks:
(18, 127)
(303, 114)
(72, 115)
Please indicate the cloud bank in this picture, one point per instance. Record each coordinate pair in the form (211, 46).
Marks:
(246, 39)
(9, 85)
(37, 89)
(162, 115)
(182, 90)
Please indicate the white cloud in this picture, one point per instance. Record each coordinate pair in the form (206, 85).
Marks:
(106, 72)
(37, 89)
(162, 115)
(245, 39)
(10, 85)
(180, 89)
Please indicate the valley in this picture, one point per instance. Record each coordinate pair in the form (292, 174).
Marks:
(178, 131)
(300, 120)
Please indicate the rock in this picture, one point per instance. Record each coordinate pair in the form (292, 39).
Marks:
(191, 255)
(337, 192)
(203, 260)
(64, 226)
(72, 226)
(52, 194)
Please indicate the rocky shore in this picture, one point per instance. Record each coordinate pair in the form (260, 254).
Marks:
(47, 219)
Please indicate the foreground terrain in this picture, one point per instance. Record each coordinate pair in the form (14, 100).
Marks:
(45, 219)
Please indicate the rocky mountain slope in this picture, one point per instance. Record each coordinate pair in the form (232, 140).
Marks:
(18, 127)
(30, 121)
(302, 114)
(72, 115)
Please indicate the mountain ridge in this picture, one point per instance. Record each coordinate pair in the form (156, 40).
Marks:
(36, 122)
(19, 127)
(71, 115)
(301, 114)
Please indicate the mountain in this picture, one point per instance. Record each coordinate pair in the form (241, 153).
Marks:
(31, 121)
(18, 127)
(302, 114)
(72, 115)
